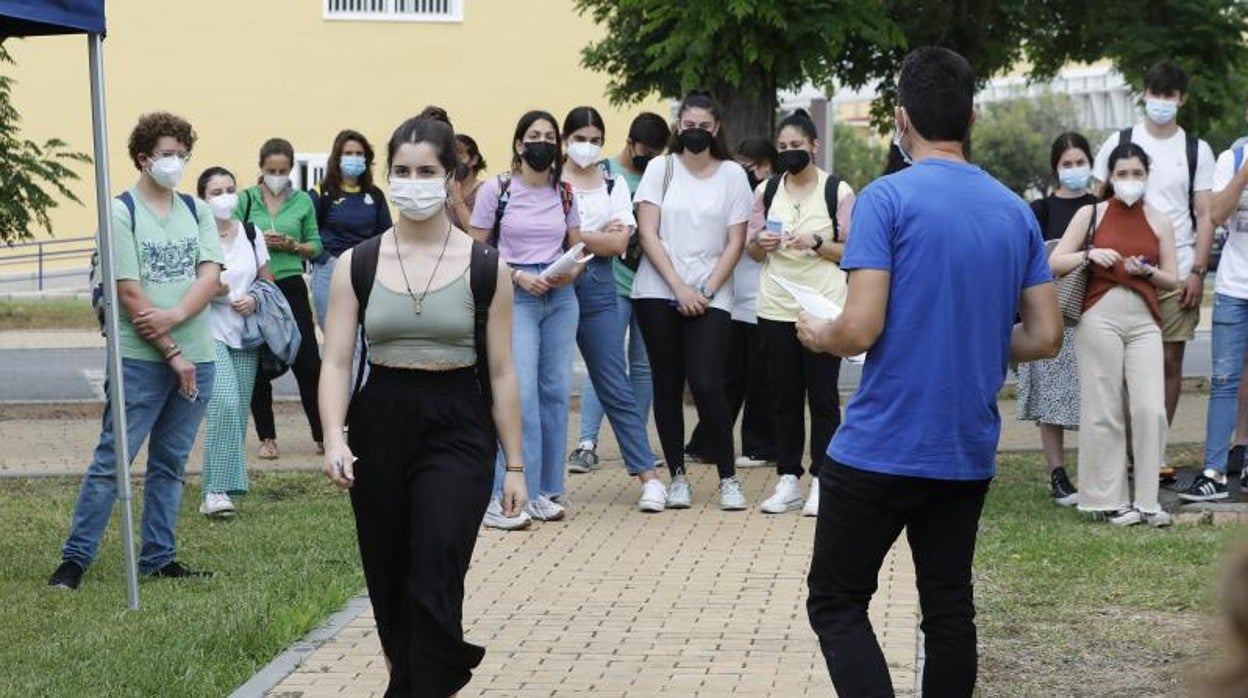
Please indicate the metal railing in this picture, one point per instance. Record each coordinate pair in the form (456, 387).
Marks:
(44, 260)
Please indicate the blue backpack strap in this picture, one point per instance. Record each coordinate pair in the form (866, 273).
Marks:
(1238, 154)
(190, 203)
(128, 201)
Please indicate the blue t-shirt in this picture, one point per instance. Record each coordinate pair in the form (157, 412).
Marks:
(960, 249)
(351, 218)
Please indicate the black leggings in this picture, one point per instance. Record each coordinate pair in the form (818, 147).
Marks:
(307, 366)
(750, 394)
(799, 377)
(426, 446)
(691, 349)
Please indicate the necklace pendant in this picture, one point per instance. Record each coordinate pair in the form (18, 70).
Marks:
(420, 306)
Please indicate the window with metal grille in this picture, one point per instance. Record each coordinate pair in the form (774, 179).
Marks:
(396, 10)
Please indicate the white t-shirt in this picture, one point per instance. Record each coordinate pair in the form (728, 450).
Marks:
(1232, 277)
(598, 208)
(693, 224)
(1167, 182)
(240, 272)
(745, 281)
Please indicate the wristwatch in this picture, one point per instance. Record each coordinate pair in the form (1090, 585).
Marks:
(1200, 271)
(706, 292)
(818, 241)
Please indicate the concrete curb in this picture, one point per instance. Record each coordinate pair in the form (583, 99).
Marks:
(288, 661)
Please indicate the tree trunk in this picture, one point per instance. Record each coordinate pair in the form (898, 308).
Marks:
(748, 112)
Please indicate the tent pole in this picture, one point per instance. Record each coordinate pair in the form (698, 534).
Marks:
(116, 391)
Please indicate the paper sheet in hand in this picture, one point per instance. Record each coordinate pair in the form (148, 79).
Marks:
(570, 259)
(815, 304)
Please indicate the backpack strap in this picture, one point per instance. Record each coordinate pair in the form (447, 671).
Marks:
(128, 201)
(1193, 154)
(1238, 154)
(1124, 136)
(769, 193)
(504, 183)
(483, 280)
(249, 229)
(190, 203)
(831, 188)
(363, 272)
(668, 170)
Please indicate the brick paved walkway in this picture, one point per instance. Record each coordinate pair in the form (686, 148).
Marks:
(612, 603)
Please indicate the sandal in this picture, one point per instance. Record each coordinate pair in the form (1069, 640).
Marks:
(268, 449)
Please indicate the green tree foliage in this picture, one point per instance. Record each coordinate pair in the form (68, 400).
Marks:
(1011, 140)
(856, 160)
(741, 50)
(744, 50)
(28, 170)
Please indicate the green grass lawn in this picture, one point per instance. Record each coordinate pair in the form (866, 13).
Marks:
(285, 564)
(1071, 607)
(47, 314)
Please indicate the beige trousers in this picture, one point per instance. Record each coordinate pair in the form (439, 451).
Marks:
(1118, 344)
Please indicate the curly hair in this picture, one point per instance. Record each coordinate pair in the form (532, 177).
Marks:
(152, 127)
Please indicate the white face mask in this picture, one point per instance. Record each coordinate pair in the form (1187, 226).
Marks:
(167, 171)
(418, 199)
(1129, 191)
(223, 206)
(276, 183)
(584, 153)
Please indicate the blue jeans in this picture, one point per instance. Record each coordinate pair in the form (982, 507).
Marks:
(543, 334)
(600, 336)
(153, 407)
(638, 374)
(322, 273)
(1229, 344)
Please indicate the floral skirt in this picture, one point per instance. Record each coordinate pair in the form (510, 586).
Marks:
(1048, 390)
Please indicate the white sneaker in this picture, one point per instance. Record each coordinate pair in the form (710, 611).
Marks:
(217, 504)
(812, 501)
(744, 461)
(542, 509)
(494, 518)
(730, 497)
(786, 497)
(1159, 520)
(679, 493)
(653, 496)
(1123, 517)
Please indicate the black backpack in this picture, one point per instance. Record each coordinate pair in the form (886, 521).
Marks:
(482, 279)
(1193, 154)
(830, 189)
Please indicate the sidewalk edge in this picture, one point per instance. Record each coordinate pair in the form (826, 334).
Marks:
(289, 660)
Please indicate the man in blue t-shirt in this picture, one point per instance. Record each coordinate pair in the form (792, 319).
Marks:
(940, 257)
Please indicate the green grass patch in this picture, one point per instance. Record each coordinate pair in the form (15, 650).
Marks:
(286, 563)
(1069, 606)
(47, 314)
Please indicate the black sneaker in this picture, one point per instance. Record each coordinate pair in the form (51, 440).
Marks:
(67, 576)
(1204, 489)
(1235, 460)
(1063, 492)
(584, 459)
(177, 570)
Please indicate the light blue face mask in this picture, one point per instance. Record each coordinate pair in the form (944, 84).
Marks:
(1161, 111)
(1075, 178)
(352, 165)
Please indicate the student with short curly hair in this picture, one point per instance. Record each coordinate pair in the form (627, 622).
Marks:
(168, 267)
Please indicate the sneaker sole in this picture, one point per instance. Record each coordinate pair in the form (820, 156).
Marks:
(679, 505)
(651, 508)
(733, 507)
(580, 469)
(557, 517)
(1068, 501)
(788, 506)
(1205, 497)
(812, 514)
(223, 514)
(508, 527)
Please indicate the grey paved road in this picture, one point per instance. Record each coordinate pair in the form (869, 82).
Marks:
(78, 374)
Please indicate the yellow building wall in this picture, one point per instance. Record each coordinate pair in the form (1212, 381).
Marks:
(244, 70)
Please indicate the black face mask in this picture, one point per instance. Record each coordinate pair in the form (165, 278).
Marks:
(793, 161)
(539, 154)
(695, 140)
(461, 172)
(640, 162)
